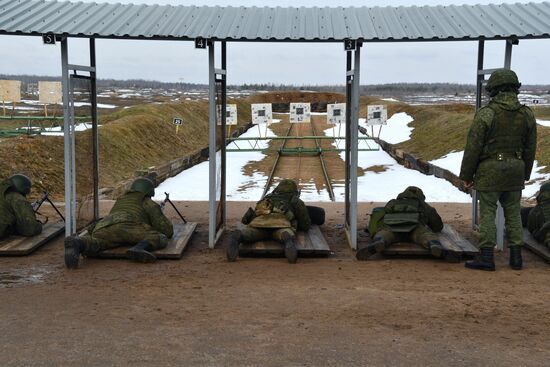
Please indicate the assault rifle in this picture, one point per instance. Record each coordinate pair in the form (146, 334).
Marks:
(45, 197)
(167, 200)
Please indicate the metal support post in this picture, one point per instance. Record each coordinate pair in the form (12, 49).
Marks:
(508, 54)
(224, 140)
(95, 133)
(212, 146)
(354, 146)
(479, 97)
(68, 143)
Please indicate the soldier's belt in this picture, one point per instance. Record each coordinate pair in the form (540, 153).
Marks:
(503, 156)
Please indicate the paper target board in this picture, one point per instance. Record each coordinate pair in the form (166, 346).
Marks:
(300, 112)
(49, 92)
(230, 114)
(262, 113)
(10, 90)
(336, 113)
(377, 115)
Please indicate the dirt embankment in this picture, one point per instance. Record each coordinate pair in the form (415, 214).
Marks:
(129, 139)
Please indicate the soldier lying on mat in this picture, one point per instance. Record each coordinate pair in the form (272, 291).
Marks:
(135, 220)
(277, 216)
(16, 213)
(406, 219)
(538, 218)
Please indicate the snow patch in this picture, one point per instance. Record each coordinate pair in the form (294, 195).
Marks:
(544, 123)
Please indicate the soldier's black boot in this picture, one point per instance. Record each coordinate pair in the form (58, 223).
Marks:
(232, 251)
(291, 253)
(516, 261)
(141, 252)
(74, 246)
(364, 252)
(484, 261)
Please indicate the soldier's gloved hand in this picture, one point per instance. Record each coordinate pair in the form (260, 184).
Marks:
(468, 184)
(248, 216)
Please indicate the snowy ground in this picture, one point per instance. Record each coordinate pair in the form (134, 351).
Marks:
(57, 131)
(192, 183)
(544, 123)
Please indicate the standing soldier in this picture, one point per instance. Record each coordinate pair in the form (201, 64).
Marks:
(277, 216)
(498, 159)
(134, 220)
(16, 213)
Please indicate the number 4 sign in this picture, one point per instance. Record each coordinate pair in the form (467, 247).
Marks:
(200, 42)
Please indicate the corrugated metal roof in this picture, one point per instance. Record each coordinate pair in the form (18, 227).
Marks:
(453, 22)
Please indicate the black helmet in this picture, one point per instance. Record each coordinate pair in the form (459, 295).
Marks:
(500, 78)
(21, 183)
(143, 185)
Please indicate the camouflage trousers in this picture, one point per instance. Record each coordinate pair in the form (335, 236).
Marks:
(123, 234)
(421, 235)
(251, 234)
(510, 202)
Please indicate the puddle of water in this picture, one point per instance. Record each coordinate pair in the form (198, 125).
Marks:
(22, 277)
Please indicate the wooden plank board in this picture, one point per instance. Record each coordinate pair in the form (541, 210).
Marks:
(534, 246)
(449, 238)
(310, 243)
(21, 246)
(178, 243)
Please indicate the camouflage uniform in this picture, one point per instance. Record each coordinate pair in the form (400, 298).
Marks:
(498, 158)
(538, 221)
(133, 218)
(280, 212)
(406, 219)
(16, 213)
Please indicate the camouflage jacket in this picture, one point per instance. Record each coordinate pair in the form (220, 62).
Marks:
(17, 213)
(501, 145)
(136, 207)
(407, 211)
(272, 208)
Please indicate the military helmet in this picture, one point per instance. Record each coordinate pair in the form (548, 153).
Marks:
(21, 183)
(545, 187)
(500, 78)
(286, 185)
(143, 185)
(412, 192)
(544, 192)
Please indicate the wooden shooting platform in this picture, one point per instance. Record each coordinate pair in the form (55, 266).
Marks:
(21, 246)
(178, 243)
(310, 243)
(535, 246)
(449, 238)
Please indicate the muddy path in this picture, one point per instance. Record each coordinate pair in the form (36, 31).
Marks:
(203, 311)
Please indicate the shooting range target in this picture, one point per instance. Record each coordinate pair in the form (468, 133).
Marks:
(376, 115)
(336, 113)
(300, 112)
(262, 113)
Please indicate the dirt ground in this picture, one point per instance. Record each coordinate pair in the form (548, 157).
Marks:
(202, 310)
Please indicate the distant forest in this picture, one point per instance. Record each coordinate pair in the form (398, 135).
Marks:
(29, 82)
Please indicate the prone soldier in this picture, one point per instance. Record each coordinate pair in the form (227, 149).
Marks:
(16, 213)
(134, 220)
(277, 216)
(408, 218)
(538, 220)
(498, 159)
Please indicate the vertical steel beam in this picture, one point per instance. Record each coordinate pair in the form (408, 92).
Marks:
(95, 132)
(349, 87)
(224, 136)
(68, 144)
(479, 98)
(508, 54)
(212, 146)
(354, 127)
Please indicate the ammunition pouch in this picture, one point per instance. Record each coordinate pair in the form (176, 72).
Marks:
(402, 222)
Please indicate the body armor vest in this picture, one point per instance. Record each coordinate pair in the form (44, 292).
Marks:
(507, 134)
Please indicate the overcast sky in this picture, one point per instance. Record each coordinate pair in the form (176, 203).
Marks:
(282, 63)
